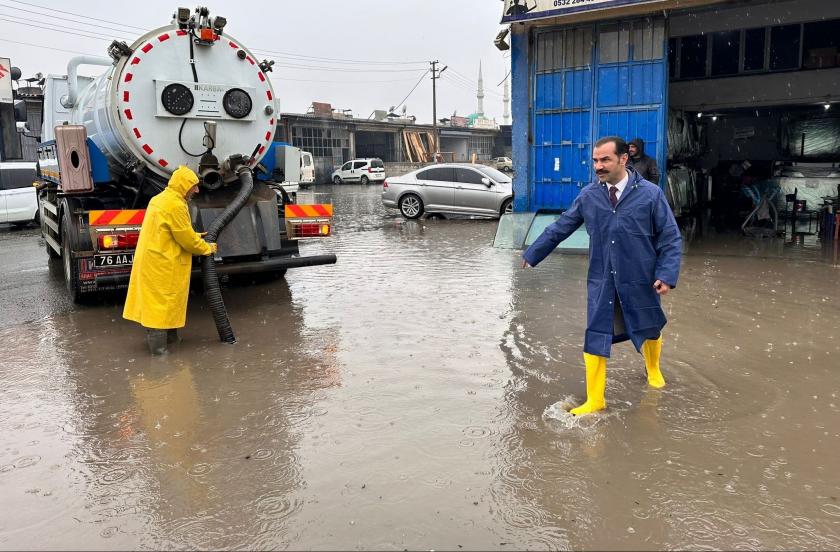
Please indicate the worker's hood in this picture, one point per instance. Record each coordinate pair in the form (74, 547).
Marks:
(640, 145)
(182, 180)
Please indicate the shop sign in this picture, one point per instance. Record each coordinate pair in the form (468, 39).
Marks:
(520, 10)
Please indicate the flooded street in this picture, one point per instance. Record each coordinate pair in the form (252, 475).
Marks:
(397, 400)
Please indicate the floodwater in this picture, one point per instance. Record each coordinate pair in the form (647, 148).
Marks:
(403, 399)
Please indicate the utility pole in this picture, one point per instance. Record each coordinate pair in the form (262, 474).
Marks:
(435, 76)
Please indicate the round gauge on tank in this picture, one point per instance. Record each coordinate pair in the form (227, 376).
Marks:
(237, 103)
(177, 99)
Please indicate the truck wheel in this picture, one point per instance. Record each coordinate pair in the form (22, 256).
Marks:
(337, 180)
(71, 267)
(411, 206)
(365, 180)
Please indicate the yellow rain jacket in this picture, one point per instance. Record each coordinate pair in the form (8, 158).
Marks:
(160, 276)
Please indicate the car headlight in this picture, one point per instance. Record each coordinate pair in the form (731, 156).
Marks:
(177, 99)
(237, 103)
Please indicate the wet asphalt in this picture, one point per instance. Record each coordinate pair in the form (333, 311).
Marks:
(403, 399)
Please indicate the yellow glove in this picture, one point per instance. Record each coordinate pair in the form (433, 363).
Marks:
(214, 248)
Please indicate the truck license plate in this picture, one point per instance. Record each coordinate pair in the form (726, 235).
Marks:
(113, 260)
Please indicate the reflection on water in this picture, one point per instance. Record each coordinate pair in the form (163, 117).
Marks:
(398, 400)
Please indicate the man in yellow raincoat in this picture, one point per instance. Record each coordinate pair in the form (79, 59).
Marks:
(160, 276)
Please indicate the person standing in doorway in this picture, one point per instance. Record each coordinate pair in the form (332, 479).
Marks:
(160, 276)
(635, 250)
(641, 162)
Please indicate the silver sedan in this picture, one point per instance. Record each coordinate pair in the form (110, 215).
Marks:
(450, 188)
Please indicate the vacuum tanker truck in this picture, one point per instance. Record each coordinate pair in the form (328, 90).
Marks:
(189, 94)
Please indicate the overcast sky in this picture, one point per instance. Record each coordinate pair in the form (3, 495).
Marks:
(308, 39)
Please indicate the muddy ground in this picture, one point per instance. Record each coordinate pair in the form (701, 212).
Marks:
(398, 400)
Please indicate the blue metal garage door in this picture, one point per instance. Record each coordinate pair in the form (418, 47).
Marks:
(590, 82)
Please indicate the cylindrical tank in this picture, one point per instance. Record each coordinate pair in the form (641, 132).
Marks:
(153, 104)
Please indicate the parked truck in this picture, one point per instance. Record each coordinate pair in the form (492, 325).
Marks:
(187, 94)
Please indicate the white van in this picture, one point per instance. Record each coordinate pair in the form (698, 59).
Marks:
(18, 199)
(307, 169)
(360, 170)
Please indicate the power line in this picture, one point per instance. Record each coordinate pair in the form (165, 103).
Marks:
(95, 37)
(122, 27)
(52, 16)
(341, 60)
(365, 81)
(45, 47)
(423, 76)
(51, 9)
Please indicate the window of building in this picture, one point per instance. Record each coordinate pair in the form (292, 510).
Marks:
(784, 47)
(821, 44)
(614, 43)
(726, 49)
(578, 47)
(693, 50)
(754, 49)
(648, 39)
(564, 49)
(481, 146)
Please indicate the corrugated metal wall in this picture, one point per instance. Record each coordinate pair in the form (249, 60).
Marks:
(589, 82)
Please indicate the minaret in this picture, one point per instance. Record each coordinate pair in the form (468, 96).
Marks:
(480, 95)
(506, 100)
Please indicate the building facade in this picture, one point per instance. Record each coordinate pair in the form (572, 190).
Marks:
(736, 73)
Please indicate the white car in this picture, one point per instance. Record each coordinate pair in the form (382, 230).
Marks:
(363, 171)
(18, 199)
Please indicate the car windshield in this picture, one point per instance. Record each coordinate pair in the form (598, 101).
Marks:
(377, 164)
(496, 176)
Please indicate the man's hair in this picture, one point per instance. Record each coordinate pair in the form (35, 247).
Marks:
(621, 146)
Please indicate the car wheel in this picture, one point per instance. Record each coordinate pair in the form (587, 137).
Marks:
(364, 180)
(507, 207)
(71, 268)
(336, 180)
(411, 206)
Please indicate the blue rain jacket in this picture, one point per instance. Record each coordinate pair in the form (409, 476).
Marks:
(630, 247)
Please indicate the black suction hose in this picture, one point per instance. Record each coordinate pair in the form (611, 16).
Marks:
(208, 263)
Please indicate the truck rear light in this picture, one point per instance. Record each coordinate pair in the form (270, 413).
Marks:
(126, 240)
(311, 230)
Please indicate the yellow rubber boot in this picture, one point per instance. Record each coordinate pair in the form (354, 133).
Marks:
(652, 350)
(596, 384)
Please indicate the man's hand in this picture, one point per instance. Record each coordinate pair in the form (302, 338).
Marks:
(202, 234)
(661, 287)
(525, 264)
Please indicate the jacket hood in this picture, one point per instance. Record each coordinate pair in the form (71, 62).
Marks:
(182, 180)
(640, 145)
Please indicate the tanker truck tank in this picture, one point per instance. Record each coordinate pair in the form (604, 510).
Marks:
(183, 94)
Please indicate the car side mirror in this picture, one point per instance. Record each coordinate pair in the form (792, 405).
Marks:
(486, 182)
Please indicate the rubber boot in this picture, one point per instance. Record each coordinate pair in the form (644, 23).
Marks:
(652, 350)
(156, 339)
(596, 385)
(172, 337)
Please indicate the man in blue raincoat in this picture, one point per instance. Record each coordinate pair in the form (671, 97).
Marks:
(634, 257)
